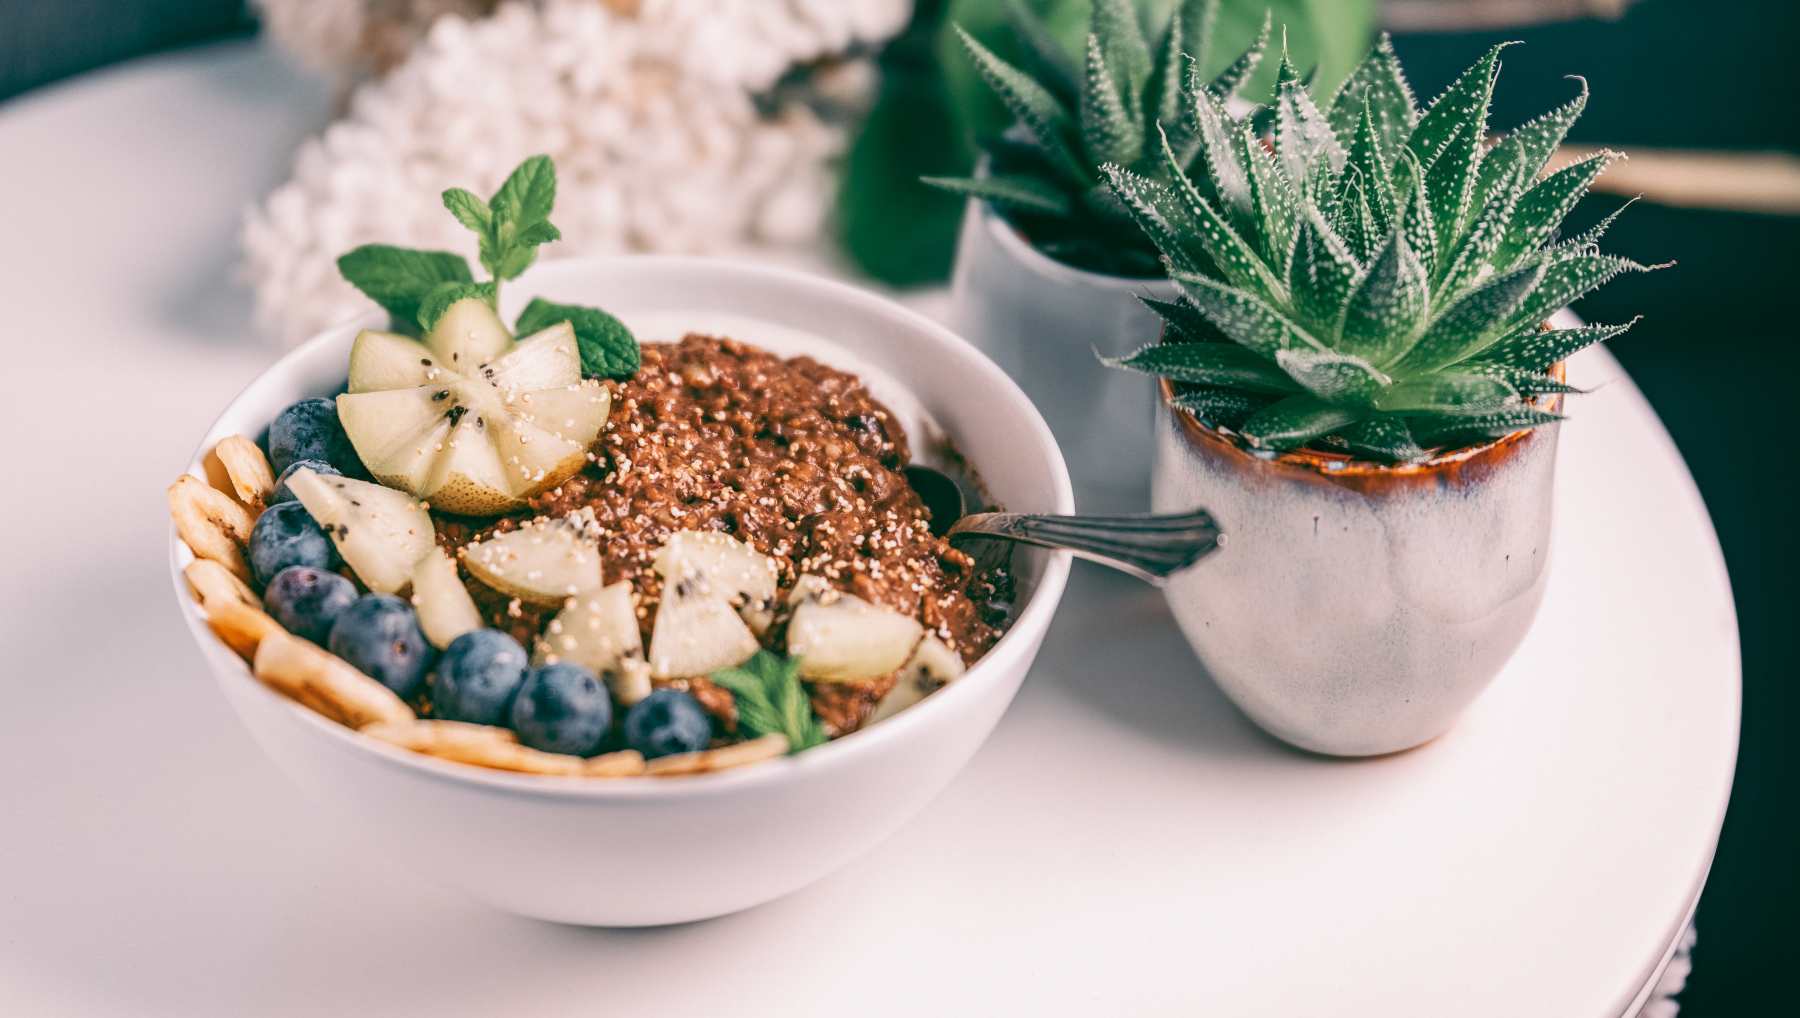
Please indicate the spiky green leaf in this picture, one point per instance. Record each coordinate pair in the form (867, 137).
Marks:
(1182, 323)
(1295, 421)
(1303, 136)
(1540, 211)
(1383, 439)
(1245, 317)
(1017, 191)
(1226, 365)
(1219, 408)
(1456, 432)
(1235, 260)
(1368, 161)
(1527, 383)
(1523, 152)
(1273, 212)
(1449, 393)
(1043, 116)
(1341, 378)
(1476, 250)
(1567, 280)
(1387, 303)
(1467, 326)
(1158, 216)
(1378, 85)
(1115, 23)
(1537, 350)
(1232, 78)
(1321, 274)
(1162, 102)
(1109, 132)
(1221, 156)
(1586, 240)
(1054, 70)
(1415, 211)
(1460, 110)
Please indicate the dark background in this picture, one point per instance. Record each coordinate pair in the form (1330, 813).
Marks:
(1717, 352)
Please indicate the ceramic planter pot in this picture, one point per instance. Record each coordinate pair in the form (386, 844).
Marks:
(1355, 608)
(1042, 321)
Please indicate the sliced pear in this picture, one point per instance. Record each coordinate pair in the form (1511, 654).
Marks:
(599, 631)
(479, 439)
(446, 611)
(545, 561)
(722, 566)
(697, 633)
(388, 360)
(932, 666)
(839, 637)
(545, 359)
(469, 334)
(381, 533)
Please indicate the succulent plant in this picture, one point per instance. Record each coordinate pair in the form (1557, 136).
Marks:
(1043, 174)
(1375, 278)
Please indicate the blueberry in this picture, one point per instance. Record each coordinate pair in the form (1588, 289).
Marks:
(308, 430)
(307, 600)
(562, 708)
(667, 721)
(282, 494)
(380, 635)
(285, 535)
(477, 677)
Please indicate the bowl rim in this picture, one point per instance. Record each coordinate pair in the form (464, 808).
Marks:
(1030, 623)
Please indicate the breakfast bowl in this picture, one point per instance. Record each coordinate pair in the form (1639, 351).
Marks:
(648, 850)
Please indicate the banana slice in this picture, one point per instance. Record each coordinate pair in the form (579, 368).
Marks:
(933, 666)
(599, 631)
(252, 479)
(545, 561)
(446, 611)
(381, 533)
(839, 637)
(211, 523)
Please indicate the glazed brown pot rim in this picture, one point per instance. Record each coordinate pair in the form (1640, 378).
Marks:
(1343, 466)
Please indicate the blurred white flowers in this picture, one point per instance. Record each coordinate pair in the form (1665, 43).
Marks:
(666, 126)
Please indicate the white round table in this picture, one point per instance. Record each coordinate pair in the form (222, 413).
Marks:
(1126, 844)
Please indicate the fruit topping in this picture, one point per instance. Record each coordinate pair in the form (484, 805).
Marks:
(307, 600)
(211, 523)
(285, 535)
(544, 561)
(283, 493)
(308, 430)
(562, 708)
(724, 566)
(599, 631)
(839, 637)
(381, 533)
(380, 636)
(446, 611)
(932, 666)
(697, 631)
(473, 435)
(247, 470)
(477, 677)
(667, 721)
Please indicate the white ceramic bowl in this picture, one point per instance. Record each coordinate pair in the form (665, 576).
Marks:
(644, 851)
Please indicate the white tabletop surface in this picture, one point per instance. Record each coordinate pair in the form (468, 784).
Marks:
(1126, 843)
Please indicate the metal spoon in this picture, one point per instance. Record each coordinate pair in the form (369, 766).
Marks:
(1151, 546)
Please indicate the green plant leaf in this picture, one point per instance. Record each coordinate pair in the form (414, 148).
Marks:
(1320, 275)
(1587, 240)
(1121, 35)
(771, 701)
(1460, 111)
(1528, 383)
(1536, 350)
(1295, 421)
(1476, 250)
(1109, 133)
(1244, 317)
(1025, 193)
(1458, 432)
(1235, 260)
(1415, 211)
(1302, 134)
(435, 303)
(1151, 207)
(1387, 303)
(469, 209)
(1340, 378)
(1228, 81)
(1382, 439)
(1379, 86)
(528, 193)
(1467, 326)
(1526, 148)
(1218, 408)
(1567, 280)
(1042, 115)
(1223, 365)
(1055, 71)
(1181, 323)
(1221, 156)
(1162, 103)
(1271, 217)
(608, 349)
(1542, 209)
(1368, 162)
(398, 278)
(1450, 393)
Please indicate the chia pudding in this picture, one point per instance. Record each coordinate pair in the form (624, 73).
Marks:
(788, 455)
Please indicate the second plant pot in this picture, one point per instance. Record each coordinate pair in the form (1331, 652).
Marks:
(1043, 322)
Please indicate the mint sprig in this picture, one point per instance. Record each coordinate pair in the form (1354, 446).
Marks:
(400, 278)
(510, 226)
(608, 349)
(771, 701)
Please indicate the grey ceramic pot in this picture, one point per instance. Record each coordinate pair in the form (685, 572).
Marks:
(1043, 322)
(1356, 609)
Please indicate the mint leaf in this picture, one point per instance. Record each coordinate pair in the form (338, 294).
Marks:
(608, 349)
(445, 294)
(469, 209)
(398, 278)
(771, 701)
(528, 193)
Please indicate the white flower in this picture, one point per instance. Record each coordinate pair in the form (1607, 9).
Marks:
(652, 119)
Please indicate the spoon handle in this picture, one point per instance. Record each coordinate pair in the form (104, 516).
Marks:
(1150, 547)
